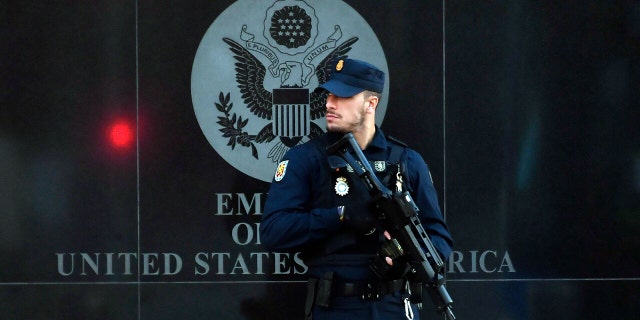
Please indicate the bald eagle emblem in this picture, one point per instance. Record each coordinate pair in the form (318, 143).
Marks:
(255, 71)
(290, 107)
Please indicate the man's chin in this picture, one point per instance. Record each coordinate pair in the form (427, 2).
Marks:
(334, 129)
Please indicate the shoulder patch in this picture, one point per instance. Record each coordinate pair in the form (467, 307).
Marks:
(281, 170)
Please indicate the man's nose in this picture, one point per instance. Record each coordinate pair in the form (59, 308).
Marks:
(330, 104)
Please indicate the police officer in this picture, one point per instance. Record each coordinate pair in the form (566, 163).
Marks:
(318, 205)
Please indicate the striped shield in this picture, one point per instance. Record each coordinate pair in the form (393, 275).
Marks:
(290, 113)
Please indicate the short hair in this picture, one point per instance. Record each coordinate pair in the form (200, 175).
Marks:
(369, 93)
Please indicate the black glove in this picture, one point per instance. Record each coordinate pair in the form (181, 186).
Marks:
(359, 217)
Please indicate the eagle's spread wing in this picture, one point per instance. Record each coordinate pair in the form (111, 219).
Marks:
(250, 74)
(323, 70)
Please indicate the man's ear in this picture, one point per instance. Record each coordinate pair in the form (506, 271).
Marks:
(372, 103)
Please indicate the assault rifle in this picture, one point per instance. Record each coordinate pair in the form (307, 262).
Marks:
(399, 216)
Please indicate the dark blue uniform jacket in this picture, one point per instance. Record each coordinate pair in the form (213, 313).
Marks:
(300, 213)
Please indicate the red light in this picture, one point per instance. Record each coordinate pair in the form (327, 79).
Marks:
(121, 134)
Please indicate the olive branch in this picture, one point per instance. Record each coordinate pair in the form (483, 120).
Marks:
(232, 126)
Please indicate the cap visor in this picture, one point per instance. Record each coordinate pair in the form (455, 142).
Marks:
(340, 89)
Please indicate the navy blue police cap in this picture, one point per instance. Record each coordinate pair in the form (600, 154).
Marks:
(350, 77)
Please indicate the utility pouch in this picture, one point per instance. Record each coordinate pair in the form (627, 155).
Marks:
(323, 292)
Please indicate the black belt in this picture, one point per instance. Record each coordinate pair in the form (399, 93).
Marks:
(367, 290)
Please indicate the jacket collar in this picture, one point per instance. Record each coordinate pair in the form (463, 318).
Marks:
(378, 142)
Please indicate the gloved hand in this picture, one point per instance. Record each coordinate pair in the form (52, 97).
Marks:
(360, 217)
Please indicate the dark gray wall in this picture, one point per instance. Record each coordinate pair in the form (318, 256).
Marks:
(525, 111)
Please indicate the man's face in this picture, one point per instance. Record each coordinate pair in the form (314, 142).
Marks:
(346, 114)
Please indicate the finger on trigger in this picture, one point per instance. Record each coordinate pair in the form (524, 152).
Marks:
(389, 260)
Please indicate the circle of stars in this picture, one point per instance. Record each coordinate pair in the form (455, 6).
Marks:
(291, 27)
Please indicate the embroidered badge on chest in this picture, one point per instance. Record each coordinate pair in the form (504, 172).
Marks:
(342, 188)
(380, 166)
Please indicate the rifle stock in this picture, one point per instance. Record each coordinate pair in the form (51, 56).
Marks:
(400, 217)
